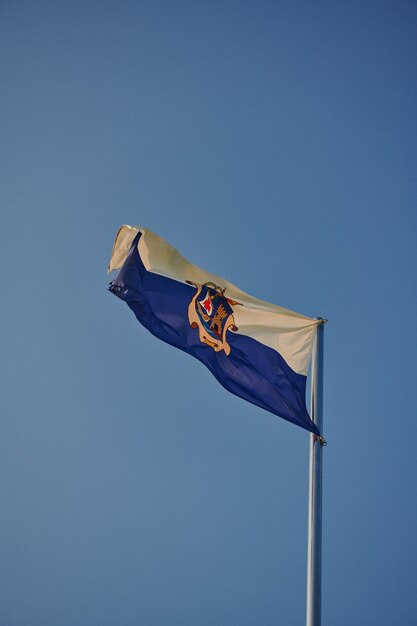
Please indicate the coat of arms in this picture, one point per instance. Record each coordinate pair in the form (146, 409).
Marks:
(212, 313)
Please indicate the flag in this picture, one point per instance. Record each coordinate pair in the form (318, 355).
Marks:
(256, 350)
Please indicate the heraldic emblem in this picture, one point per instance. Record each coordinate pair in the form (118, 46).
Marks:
(212, 313)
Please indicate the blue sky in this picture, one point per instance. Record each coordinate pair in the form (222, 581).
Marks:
(273, 143)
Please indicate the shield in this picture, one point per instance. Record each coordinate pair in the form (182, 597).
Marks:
(212, 314)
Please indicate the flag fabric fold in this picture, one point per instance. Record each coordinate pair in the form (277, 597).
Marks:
(256, 350)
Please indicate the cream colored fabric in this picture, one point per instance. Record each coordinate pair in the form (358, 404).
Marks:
(290, 333)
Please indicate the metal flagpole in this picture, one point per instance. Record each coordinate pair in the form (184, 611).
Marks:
(313, 613)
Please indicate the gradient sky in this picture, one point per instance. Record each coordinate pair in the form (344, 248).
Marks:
(273, 143)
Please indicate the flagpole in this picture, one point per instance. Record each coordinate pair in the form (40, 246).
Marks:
(313, 612)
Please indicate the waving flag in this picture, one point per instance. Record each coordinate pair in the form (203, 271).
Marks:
(258, 351)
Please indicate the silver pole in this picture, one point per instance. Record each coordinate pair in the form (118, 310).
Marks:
(313, 613)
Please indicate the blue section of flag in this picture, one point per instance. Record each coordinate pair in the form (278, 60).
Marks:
(252, 371)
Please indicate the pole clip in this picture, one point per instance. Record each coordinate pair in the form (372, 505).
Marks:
(320, 439)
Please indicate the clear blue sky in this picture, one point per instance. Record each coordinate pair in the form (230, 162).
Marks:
(273, 143)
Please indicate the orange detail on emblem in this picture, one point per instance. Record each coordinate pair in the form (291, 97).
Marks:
(212, 316)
